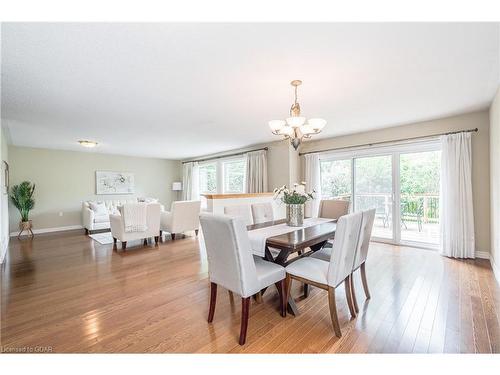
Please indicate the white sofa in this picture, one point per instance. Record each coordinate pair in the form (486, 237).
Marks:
(93, 222)
(183, 216)
(153, 211)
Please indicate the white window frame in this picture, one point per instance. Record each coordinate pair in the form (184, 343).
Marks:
(201, 164)
(220, 173)
(223, 174)
(395, 150)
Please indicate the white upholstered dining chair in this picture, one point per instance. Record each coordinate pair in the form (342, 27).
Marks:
(329, 275)
(362, 253)
(333, 208)
(242, 211)
(232, 265)
(262, 212)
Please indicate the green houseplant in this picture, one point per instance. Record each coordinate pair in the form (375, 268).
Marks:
(294, 199)
(22, 198)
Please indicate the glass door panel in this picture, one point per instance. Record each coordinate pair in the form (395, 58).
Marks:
(373, 189)
(419, 185)
(336, 179)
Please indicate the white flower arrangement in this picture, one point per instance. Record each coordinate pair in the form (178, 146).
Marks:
(297, 195)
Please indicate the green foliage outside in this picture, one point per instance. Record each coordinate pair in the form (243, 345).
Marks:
(419, 173)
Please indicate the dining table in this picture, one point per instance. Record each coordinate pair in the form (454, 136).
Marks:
(277, 242)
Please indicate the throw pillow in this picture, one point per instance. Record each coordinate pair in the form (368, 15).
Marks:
(99, 208)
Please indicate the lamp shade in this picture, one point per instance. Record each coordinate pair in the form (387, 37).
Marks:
(176, 186)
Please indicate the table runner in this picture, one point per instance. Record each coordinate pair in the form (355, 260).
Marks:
(259, 236)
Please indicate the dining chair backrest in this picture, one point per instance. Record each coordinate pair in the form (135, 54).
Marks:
(365, 235)
(344, 248)
(242, 211)
(230, 259)
(262, 212)
(333, 208)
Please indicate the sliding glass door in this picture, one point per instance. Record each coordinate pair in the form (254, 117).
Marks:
(419, 196)
(401, 182)
(373, 188)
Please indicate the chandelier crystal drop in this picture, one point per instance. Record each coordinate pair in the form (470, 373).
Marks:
(296, 127)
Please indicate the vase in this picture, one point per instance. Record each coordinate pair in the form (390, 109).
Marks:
(295, 215)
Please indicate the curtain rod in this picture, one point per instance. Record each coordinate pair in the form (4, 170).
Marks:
(395, 140)
(225, 156)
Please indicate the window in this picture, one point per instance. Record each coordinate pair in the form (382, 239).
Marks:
(208, 178)
(234, 176)
(336, 179)
(223, 176)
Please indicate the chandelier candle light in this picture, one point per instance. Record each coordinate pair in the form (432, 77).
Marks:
(294, 199)
(296, 128)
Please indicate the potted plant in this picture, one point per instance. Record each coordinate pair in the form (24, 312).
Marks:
(294, 199)
(22, 197)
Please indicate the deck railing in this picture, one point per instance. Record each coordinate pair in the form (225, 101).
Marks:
(414, 207)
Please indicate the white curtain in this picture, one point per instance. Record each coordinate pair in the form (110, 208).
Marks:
(313, 182)
(190, 181)
(257, 172)
(456, 212)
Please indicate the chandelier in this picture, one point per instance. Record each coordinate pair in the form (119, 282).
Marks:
(296, 128)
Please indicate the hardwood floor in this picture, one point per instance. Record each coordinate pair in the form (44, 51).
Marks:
(69, 292)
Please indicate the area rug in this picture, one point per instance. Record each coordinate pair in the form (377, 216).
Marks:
(102, 238)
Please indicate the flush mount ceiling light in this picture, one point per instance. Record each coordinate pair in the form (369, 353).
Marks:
(296, 127)
(86, 143)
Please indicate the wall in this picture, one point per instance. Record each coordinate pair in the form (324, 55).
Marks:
(4, 198)
(480, 157)
(495, 183)
(65, 178)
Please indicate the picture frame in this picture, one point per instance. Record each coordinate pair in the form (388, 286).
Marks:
(114, 183)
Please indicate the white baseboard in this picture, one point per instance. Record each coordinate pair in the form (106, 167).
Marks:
(50, 230)
(482, 255)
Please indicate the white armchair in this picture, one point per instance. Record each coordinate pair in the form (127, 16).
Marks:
(183, 216)
(152, 226)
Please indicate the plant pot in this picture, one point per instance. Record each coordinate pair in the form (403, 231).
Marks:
(25, 225)
(295, 215)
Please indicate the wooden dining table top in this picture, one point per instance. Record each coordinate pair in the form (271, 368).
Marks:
(300, 238)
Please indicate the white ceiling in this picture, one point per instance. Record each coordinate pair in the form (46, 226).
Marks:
(181, 90)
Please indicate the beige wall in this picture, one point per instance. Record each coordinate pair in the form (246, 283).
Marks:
(480, 157)
(65, 178)
(277, 161)
(495, 179)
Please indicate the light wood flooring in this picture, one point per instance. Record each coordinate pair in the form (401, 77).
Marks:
(72, 294)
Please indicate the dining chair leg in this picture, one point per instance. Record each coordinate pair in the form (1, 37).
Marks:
(213, 300)
(348, 296)
(353, 294)
(281, 286)
(333, 312)
(364, 280)
(258, 297)
(245, 307)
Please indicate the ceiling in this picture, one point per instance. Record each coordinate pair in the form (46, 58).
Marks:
(180, 90)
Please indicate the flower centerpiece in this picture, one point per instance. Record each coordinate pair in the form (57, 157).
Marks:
(294, 199)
